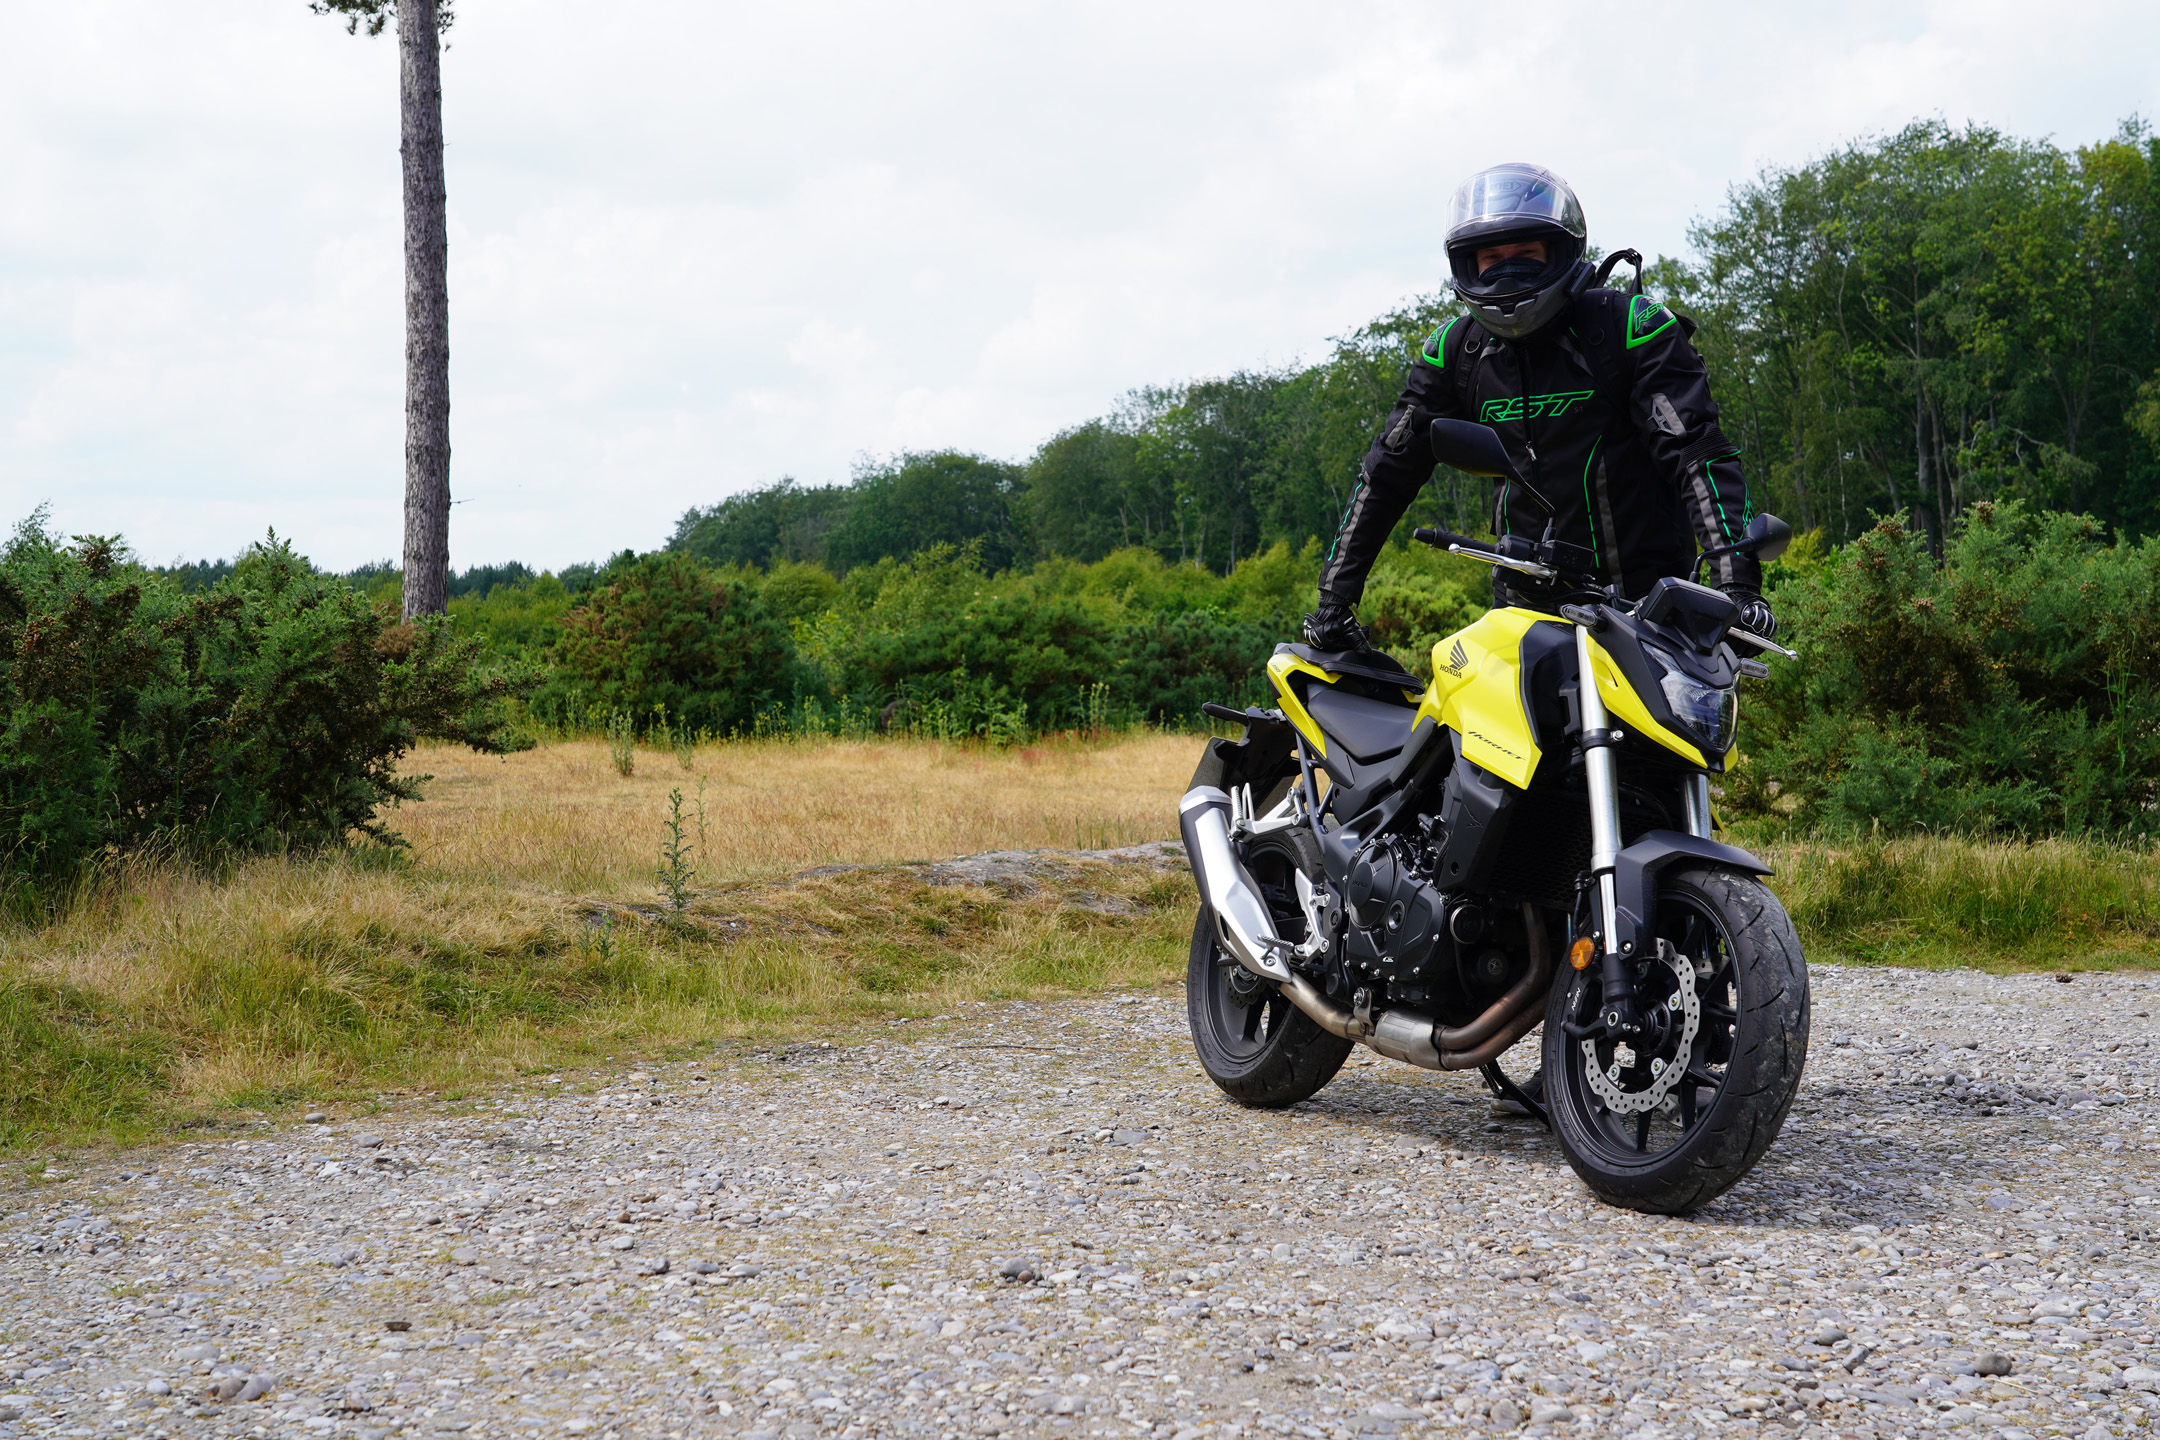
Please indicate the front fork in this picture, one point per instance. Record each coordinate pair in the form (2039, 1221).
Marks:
(1617, 1008)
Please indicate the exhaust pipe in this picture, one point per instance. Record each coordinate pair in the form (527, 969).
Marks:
(1241, 916)
(1248, 932)
(1418, 1039)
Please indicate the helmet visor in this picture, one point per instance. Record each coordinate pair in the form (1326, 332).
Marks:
(1512, 196)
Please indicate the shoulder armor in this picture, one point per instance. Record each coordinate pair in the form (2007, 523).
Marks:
(1646, 320)
(1435, 351)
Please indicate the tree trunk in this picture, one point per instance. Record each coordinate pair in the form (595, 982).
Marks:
(427, 313)
(1927, 515)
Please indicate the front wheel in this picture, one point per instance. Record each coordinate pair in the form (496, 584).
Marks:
(1668, 1119)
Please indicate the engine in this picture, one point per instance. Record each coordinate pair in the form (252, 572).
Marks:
(1410, 944)
(1393, 916)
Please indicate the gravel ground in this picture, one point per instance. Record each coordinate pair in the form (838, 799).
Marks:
(810, 1241)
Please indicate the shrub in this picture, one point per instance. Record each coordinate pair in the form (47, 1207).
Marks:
(792, 590)
(269, 710)
(1406, 615)
(1171, 665)
(520, 619)
(2013, 688)
(668, 630)
(963, 651)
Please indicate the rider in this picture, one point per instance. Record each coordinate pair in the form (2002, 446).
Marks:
(1599, 397)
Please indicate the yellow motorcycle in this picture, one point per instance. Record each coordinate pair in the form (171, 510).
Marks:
(1432, 870)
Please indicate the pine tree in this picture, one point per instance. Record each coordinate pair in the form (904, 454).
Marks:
(420, 24)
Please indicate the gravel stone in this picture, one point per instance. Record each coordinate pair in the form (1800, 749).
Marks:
(1100, 1243)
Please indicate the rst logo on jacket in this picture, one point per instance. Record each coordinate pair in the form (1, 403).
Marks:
(1517, 407)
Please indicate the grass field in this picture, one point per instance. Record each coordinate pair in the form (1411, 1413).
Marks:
(1944, 901)
(561, 819)
(523, 927)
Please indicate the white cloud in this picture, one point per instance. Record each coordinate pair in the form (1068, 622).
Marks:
(695, 247)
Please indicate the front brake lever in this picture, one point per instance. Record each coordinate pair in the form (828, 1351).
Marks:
(1528, 567)
(1761, 644)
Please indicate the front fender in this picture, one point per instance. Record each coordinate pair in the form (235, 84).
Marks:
(1635, 878)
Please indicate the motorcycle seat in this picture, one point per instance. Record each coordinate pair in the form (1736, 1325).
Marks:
(1370, 665)
(1370, 730)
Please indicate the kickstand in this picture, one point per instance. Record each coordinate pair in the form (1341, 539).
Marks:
(1496, 1080)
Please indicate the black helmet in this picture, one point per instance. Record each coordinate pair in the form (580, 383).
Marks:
(1506, 204)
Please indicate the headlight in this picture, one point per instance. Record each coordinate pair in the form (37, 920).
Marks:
(1706, 712)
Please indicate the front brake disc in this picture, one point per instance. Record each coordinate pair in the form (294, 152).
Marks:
(1665, 1074)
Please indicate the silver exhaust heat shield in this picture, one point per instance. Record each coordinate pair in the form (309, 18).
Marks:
(1241, 916)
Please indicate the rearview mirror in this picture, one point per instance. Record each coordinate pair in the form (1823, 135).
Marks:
(1768, 537)
(1471, 448)
(1476, 450)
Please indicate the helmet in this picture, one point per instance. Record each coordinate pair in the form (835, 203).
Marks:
(1510, 203)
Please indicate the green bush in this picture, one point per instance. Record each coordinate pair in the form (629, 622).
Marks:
(941, 642)
(520, 620)
(1058, 647)
(268, 710)
(2013, 688)
(1417, 597)
(669, 630)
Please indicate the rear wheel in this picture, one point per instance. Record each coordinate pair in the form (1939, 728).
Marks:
(1669, 1119)
(1253, 1043)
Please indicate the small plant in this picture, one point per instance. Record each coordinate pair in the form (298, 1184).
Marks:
(1095, 710)
(1007, 726)
(599, 943)
(686, 749)
(622, 741)
(676, 872)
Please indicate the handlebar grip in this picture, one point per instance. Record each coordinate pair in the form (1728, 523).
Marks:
(1441, 539)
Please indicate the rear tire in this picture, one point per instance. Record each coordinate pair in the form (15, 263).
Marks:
(1256, 1046)
(1742, 1070)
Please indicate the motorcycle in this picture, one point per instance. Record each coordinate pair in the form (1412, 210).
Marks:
(1430, 871)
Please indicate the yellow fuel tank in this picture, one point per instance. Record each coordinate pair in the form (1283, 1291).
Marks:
(1476, 691)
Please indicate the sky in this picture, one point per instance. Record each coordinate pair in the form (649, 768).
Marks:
(698, 245)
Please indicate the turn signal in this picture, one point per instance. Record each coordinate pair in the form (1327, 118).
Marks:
(1582, 952)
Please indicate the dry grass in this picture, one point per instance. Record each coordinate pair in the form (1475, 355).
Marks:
(522, 929)
(562, 820)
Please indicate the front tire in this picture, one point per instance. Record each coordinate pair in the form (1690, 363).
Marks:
(1743, 1051)
(1256, 1046)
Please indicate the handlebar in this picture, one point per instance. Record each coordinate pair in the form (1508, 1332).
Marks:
(1443, 539)
(1478, 550)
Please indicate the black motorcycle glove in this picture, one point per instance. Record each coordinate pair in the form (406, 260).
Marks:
(1755, 614)
(1333, 627)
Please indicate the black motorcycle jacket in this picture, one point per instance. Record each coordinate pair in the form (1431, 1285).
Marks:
(1606, 410)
